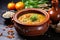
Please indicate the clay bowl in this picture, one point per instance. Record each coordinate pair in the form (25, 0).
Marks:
(31, 30)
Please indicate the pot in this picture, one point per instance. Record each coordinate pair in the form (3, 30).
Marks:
(31, 30)
(55, 12)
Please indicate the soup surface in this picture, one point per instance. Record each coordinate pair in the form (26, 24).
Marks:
(31, 18)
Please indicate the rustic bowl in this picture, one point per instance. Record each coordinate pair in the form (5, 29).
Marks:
(31, 30)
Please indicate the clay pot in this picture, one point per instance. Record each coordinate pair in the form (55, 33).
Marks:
(31, 30)
(55, 12)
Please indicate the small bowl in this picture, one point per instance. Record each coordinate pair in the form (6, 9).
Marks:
(3, 17)
(31, 30)
(6, 18)
(9, 18)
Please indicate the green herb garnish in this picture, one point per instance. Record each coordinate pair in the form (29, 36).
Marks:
(34, 3)
(33, 17)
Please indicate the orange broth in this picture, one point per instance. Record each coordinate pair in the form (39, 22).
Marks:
(31, 18)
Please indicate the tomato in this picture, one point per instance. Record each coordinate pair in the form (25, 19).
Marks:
(11, 6)
(19, 5)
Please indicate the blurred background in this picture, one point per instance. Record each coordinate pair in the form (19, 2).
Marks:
(3, 3)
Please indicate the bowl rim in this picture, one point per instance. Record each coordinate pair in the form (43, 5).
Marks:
(33, 9)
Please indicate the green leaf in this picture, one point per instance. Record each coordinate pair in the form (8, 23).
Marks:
(33, 18)
(33, 3)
